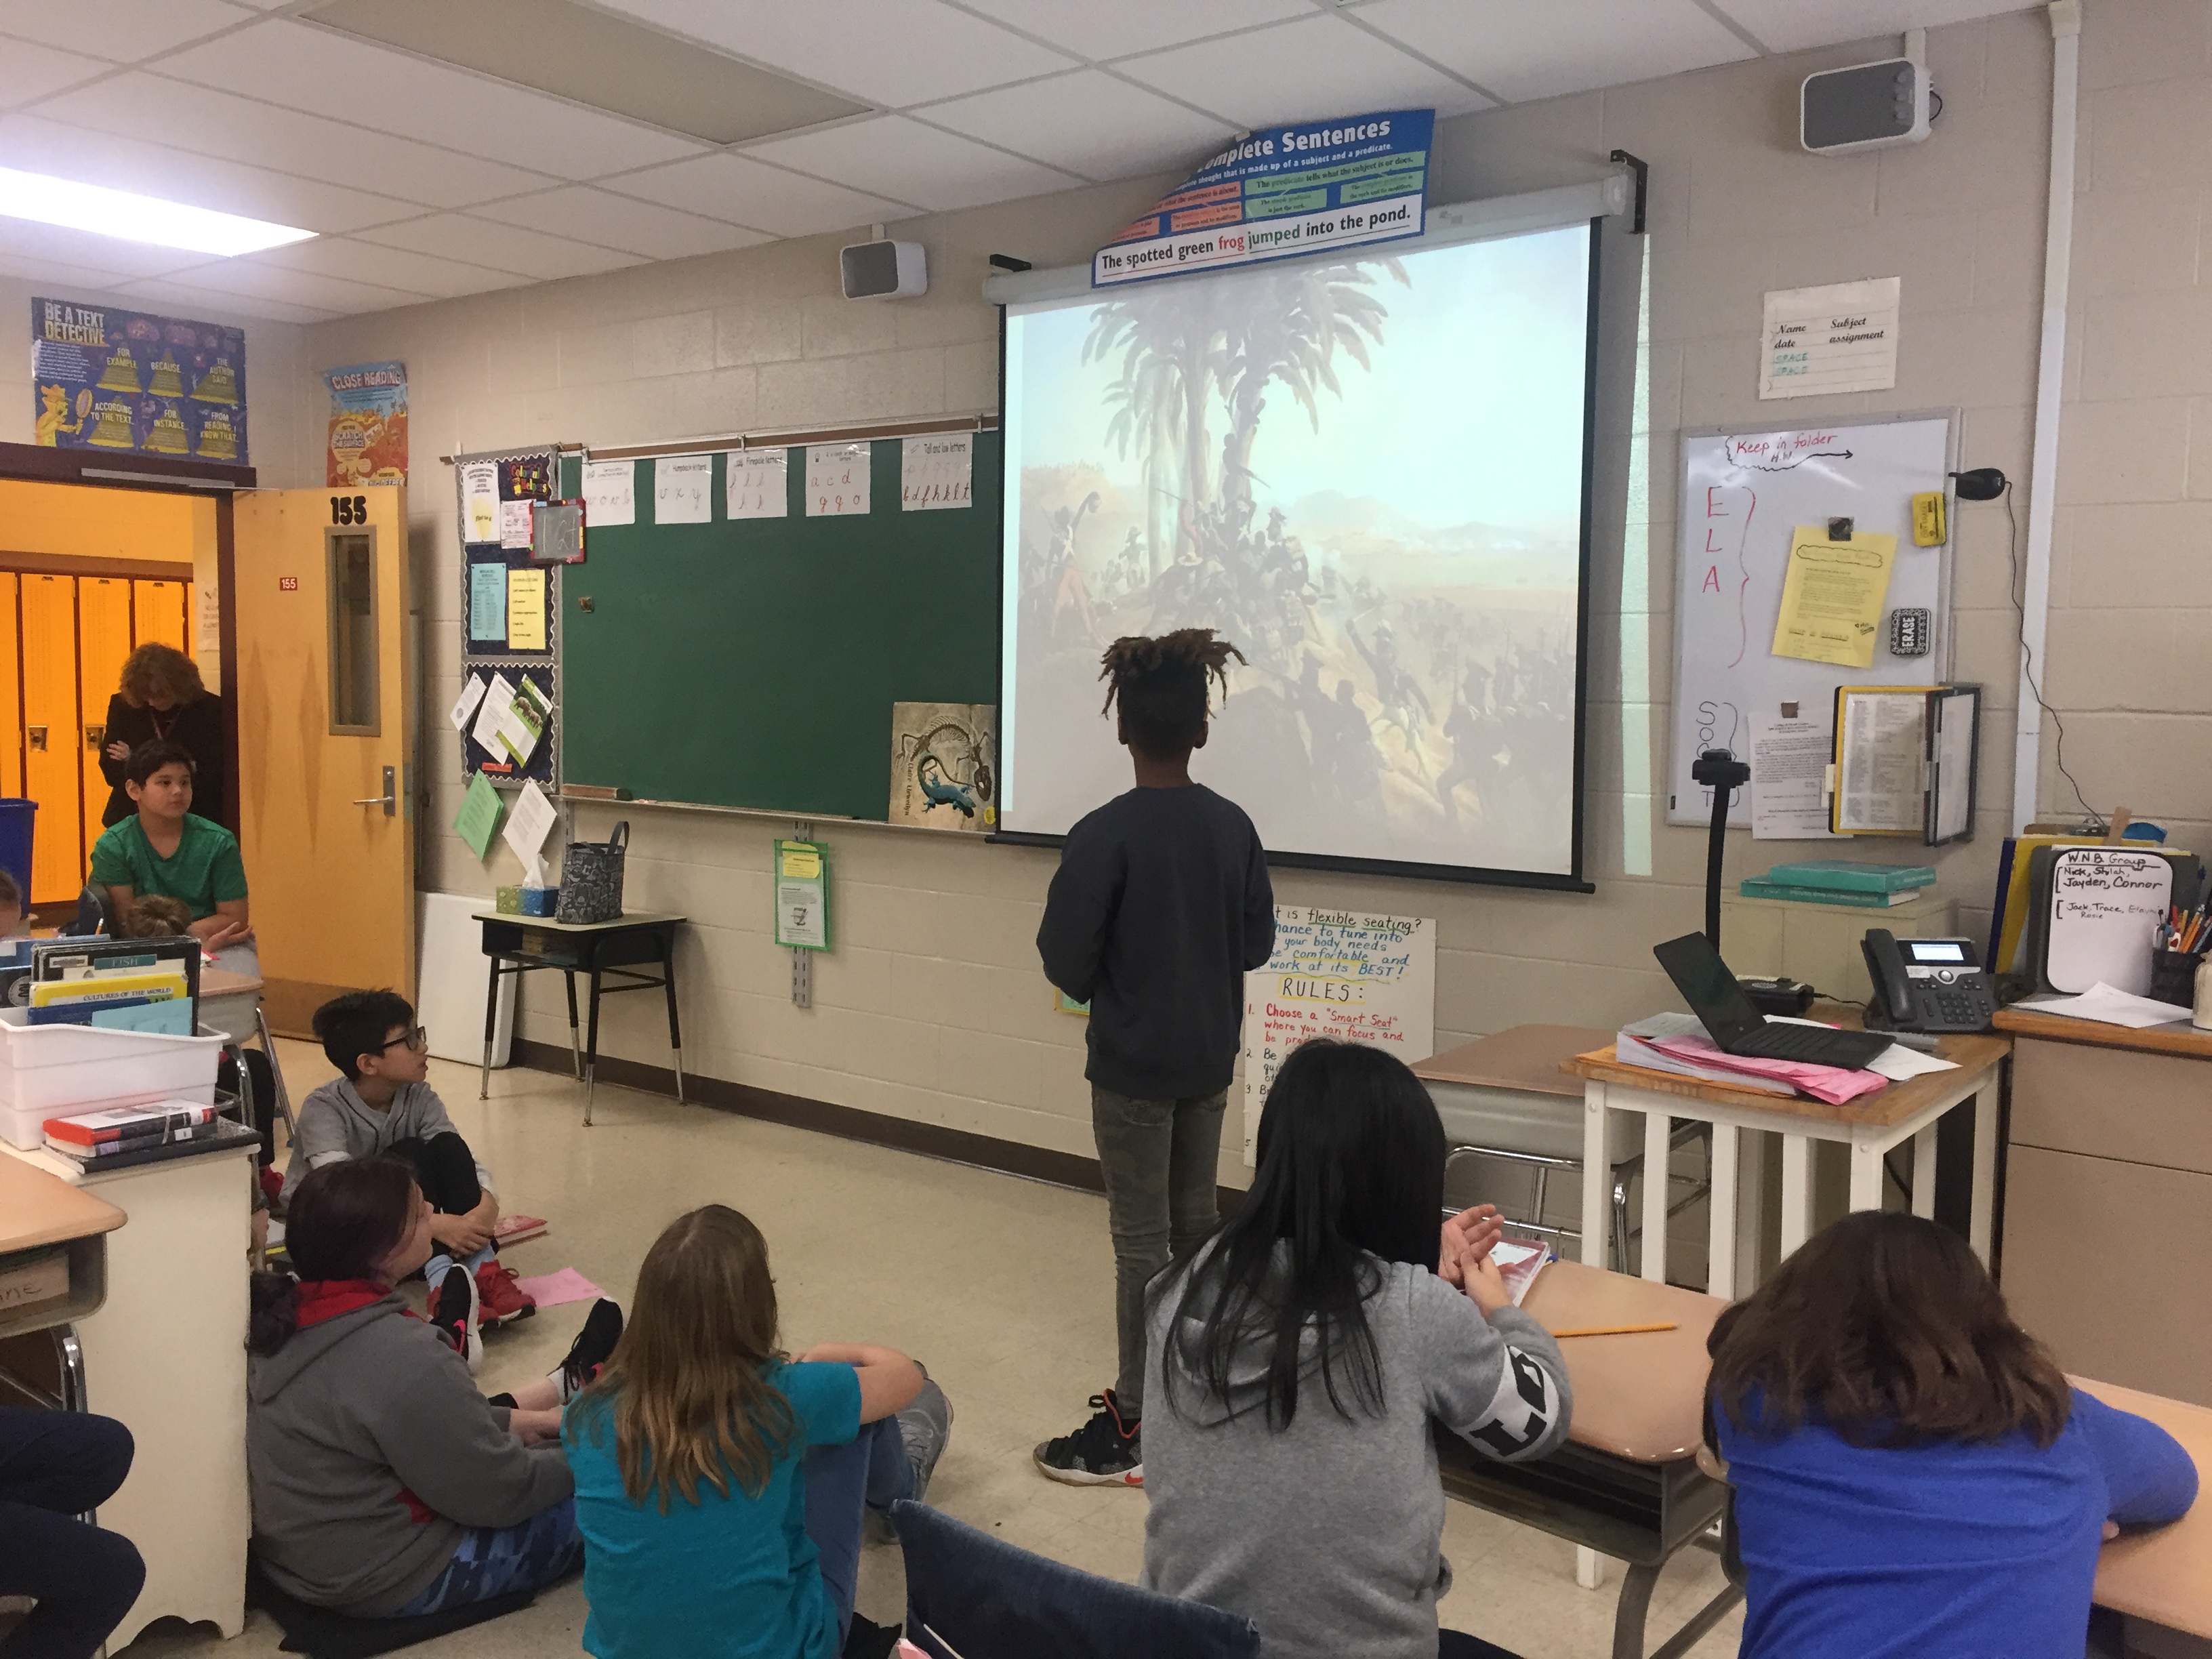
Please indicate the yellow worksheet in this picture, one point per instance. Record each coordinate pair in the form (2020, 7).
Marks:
(525, 610)
(1832, 597)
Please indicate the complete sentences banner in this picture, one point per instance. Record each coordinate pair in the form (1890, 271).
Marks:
(105, 378)
(1285, 190)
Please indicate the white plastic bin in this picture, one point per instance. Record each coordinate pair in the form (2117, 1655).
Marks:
(56, 1071)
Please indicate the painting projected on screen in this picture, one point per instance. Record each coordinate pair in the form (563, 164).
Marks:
(1367, 474)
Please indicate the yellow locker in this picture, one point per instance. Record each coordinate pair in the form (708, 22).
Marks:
(103, 643)
(157, 614)
(52, 775)
(11, 692)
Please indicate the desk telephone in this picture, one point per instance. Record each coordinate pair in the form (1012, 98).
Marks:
(1928, 984)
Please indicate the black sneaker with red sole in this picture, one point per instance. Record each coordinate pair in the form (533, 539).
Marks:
(1106, 1452)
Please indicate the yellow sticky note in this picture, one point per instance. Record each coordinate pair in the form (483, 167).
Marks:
(525, 610)
(1832, 597)
(802, 863)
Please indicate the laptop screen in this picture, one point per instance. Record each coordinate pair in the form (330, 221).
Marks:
(1709, 987)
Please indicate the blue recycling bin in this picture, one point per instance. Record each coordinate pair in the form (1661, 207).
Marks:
(16, 823)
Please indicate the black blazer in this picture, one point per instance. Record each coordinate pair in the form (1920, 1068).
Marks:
(198, 727)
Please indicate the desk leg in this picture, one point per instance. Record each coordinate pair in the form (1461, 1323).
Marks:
(1797, 1192)
(1924, 1174)
(1597, 1175)
(1981, 1221)
(1720, 1218)
(491, 1024)
(1658, 1128)
(668, 983)
(1866, 1174)
(592, 1048)
(1628, 1615)
(575, 1054)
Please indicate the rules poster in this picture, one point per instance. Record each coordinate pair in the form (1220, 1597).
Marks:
(133, 383)
(368, 425)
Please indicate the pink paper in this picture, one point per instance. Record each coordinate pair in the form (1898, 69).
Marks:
(1830, 1082)
(551, 1290)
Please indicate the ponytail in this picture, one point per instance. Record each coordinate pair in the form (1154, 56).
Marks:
(275, 1313)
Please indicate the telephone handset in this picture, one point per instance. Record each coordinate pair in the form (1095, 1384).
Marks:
(1928, 984)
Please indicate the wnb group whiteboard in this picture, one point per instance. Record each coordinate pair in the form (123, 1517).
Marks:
(1743, 492)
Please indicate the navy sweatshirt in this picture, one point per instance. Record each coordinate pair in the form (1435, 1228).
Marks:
(1982, 1552)
(1161, 903)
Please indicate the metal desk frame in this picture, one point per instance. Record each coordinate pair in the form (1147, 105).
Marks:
(523, 944)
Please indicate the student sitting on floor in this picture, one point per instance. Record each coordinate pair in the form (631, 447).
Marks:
(720, 1484)
(1302, 1359)
(1913, 1474)
(383, 1484)
(54, 1466)
(382, 1104)
(168, 848)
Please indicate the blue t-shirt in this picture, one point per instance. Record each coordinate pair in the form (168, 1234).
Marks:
(729, 1577)
(1984, 1552)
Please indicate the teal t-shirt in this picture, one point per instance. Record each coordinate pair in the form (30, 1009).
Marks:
(731, 1578)
(203, 871)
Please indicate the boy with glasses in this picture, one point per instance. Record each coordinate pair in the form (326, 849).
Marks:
(384, 1105)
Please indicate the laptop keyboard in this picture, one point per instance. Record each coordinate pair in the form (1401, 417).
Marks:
(1811, 1044)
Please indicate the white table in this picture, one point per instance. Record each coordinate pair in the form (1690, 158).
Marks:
(1870, 1126)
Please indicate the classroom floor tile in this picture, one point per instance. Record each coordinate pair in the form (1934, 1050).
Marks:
(1003, 1287)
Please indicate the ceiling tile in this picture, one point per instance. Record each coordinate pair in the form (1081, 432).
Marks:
(101, 158)
(753, 193)
(1090, 123)
(27, 240)
(590, 214)
(199, 119)
(502, 247)
(28, 71)
(357, 261)
(1793, 25)
(250, 280)
(292, 63)
(902, 158)
(205, 305)
(894, 52)
(1090, 29)
(56, 275)
(1308, 70)
(1522, 51)
(125, 30)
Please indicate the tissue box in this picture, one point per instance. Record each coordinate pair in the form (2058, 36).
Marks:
(507, 901)
(540, 901)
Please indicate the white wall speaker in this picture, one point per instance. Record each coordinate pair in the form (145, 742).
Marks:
(884, 270)
(1867, 106)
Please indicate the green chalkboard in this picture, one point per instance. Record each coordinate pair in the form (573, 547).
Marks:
(754, 663)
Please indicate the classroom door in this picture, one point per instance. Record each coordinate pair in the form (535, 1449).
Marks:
(325, 742)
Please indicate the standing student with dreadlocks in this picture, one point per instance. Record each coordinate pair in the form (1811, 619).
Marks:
(1161, 905)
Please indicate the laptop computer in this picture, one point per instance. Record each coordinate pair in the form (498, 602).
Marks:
(1738, 1028)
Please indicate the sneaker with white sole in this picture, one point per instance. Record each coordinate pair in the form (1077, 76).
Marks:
(499, 1298)
(1107, 1451)
(603, 1328)
(455, 1312)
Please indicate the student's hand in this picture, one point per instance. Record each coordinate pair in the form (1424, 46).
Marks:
(118, 752)
(486, 1214)
(214, 931)
(260, 1240)
(1483, 1284)
(535, 1428)
(1474, 1230)
(459, 1235)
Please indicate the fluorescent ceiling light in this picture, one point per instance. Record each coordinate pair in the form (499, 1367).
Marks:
(135, 218)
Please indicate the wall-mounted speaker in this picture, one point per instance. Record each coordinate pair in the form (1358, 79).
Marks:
(884, 270)
(1867, 106)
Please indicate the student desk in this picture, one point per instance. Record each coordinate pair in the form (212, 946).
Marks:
(231, 1003)
(522, 945)
(39, 1211)
(1626, 1484)
(1869, 1126)
(2112, 1129)
(165, 1355)
(2164, 1575)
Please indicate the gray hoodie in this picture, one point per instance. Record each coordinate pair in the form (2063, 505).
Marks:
(370, 1455)
(335, 1123)
(1327, 1534)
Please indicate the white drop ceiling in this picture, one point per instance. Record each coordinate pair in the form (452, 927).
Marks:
(427, 181)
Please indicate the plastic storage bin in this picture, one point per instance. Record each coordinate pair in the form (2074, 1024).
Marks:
(55, 1071)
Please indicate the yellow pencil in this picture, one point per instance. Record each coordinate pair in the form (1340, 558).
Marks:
(1615, 1330)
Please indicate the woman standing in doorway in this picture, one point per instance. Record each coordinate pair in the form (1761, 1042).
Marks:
(161, 699)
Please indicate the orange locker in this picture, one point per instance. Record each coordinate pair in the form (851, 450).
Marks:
(11, 692)
(103, 643)
(157, 614)
(52, 776)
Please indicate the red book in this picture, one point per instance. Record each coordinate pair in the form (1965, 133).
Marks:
(91, 1128)
(514, 1229)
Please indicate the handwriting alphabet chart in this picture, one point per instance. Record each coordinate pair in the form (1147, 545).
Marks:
(756, 484)
(682, 488)
(936, 471)
(837, 479)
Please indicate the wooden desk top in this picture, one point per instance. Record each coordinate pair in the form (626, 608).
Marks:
(2179, 1038)
(1523, 1057)
(38, 1208)
(2164, 1574)
(221, 983)
(1640, 1397)
(628, 919)
(1899, 1101)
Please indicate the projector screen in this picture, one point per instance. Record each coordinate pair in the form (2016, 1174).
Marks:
(1370, 472)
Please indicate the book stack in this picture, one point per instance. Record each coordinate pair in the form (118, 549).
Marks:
(1842, 881)
(140, 995)
(122, 1135)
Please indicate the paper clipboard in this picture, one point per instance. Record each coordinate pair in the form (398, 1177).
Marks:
(1903, 761)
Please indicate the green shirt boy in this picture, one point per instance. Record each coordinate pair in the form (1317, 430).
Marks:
(205, 870)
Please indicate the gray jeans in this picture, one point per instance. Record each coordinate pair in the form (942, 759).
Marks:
(1160, 1159)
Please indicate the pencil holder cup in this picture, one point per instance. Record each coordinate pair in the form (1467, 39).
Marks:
(2173, 977)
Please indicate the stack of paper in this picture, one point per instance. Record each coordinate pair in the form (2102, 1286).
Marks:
(1638, 1045)
(1518, 1264)
(1830, 1082)
(2102, 1002)
(133, 999)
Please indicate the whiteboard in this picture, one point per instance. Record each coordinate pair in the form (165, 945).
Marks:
(2106, 905)
(1743, 491)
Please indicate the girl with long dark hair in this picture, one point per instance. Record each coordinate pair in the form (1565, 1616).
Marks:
(1913, 1474)
(1305, 1354)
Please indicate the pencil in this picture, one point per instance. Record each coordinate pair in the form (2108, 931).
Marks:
(1615, 1330)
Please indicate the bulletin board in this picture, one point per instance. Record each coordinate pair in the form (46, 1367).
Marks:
(1744, 491)
(494, 581)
